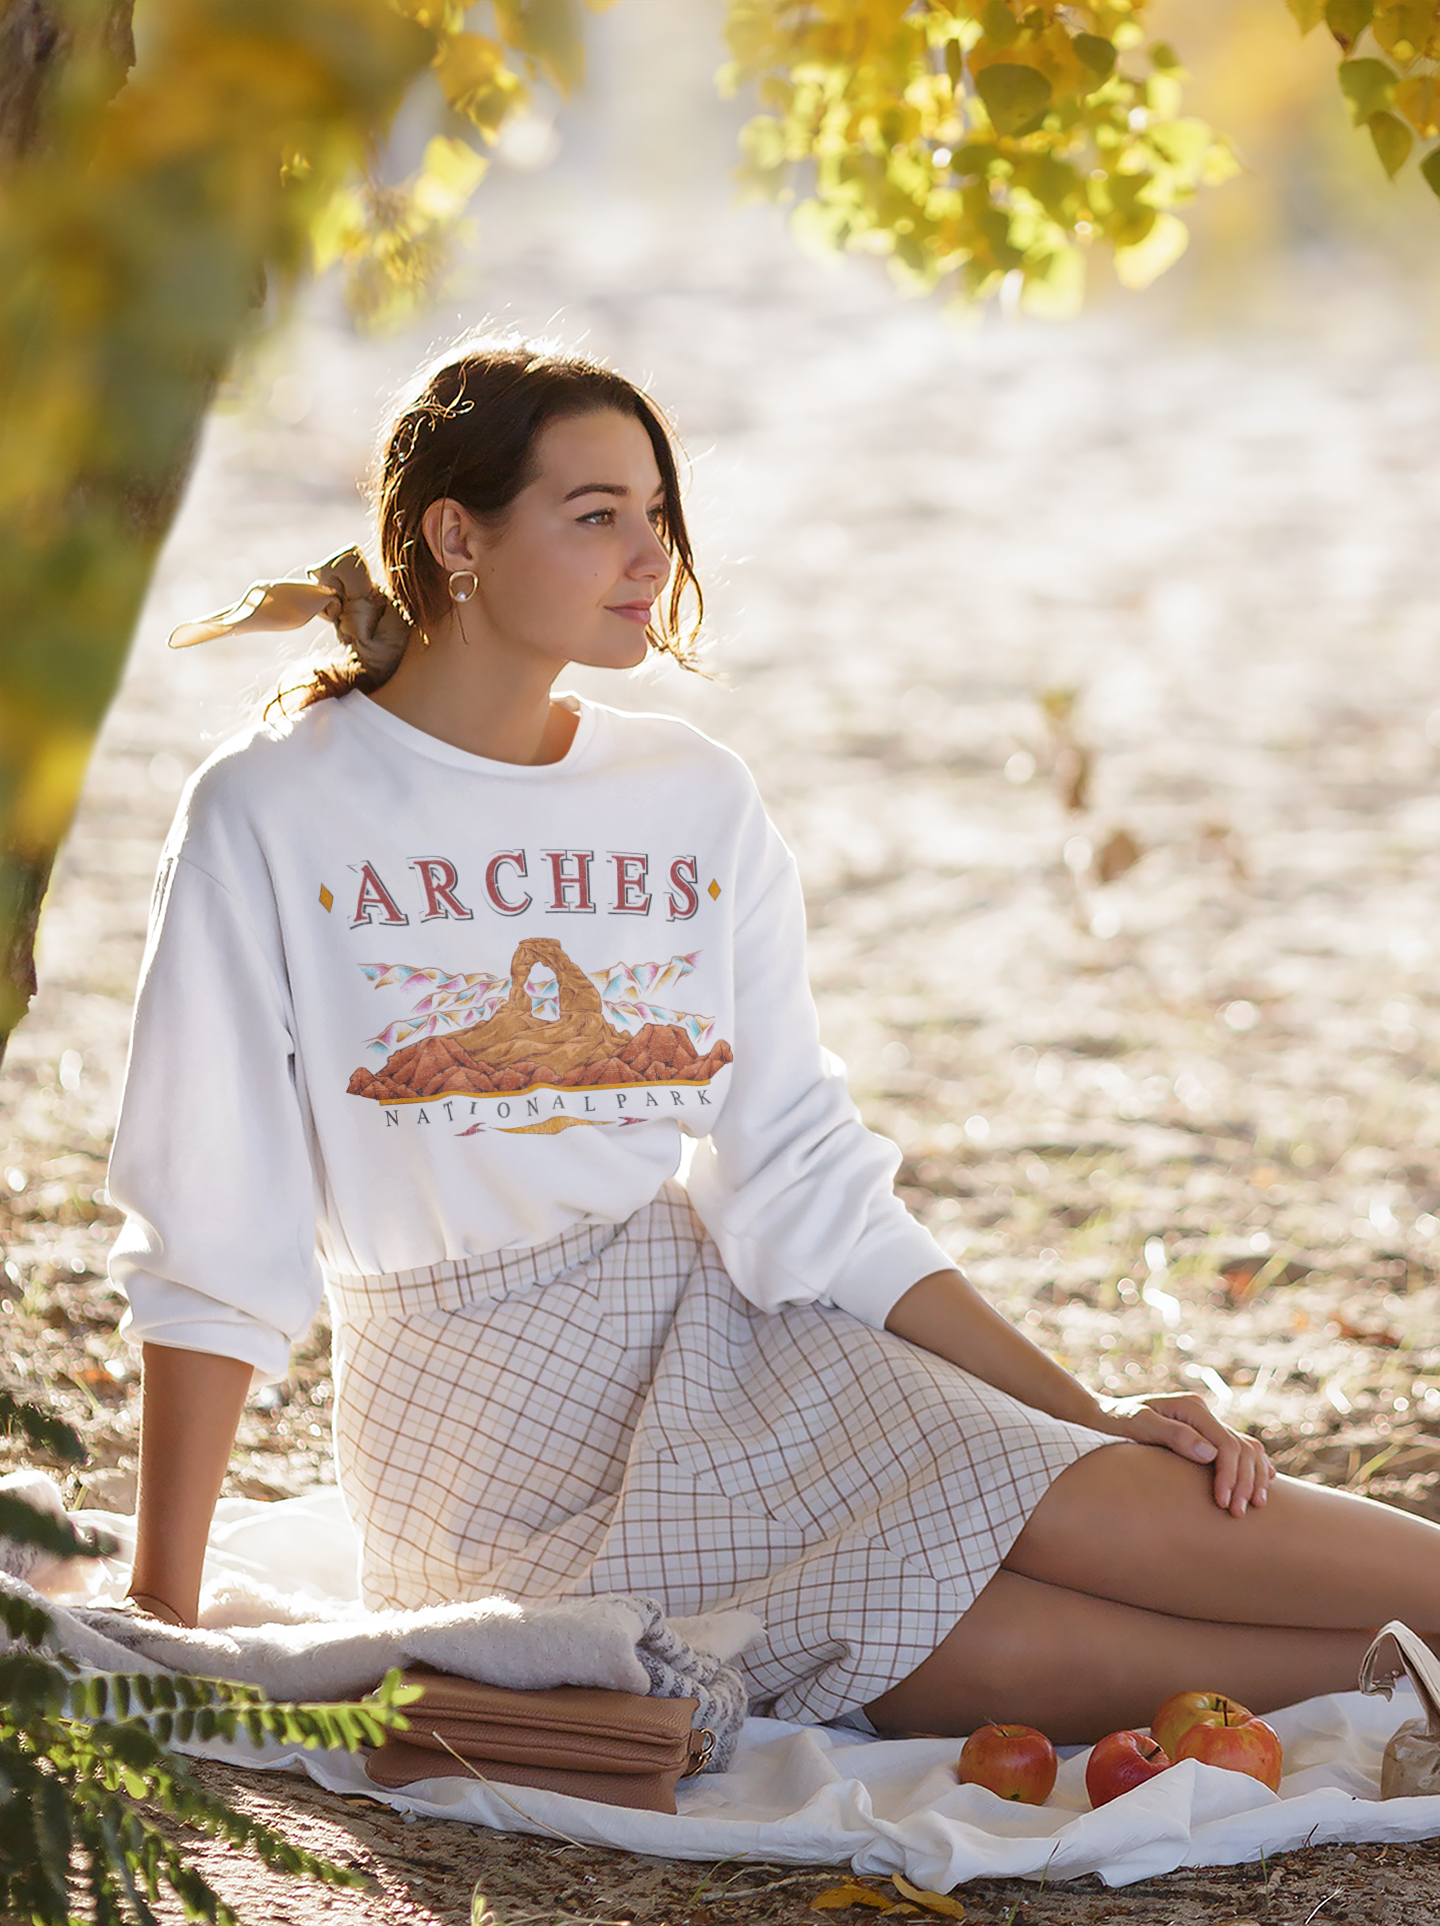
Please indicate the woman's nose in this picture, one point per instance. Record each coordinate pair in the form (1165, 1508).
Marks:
(653, 560)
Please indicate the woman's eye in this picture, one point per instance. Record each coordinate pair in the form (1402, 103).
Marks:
(599, 517)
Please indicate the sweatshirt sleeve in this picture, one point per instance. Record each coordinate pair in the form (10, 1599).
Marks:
(212, 1161)
(796, 1192)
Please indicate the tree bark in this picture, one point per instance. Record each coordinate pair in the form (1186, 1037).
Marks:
(38, 40)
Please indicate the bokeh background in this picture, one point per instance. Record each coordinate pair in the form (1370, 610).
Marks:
(1089, 667)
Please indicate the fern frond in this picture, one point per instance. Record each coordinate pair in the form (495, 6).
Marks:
(26, 1524)
(47, 1433)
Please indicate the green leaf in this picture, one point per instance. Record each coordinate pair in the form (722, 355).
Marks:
(1098, 53)
(1054, 183)
(1348, 19)
(975, 157)
(1015, 97)
(954, 62)
(26, 1524)
(1368, 86)
(1308, 13)
(1393, 141)
(1430, 168)
(1002, 29)
(24, 1622)
(38, 1428)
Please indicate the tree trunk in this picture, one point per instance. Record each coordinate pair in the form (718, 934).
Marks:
(39, 41)
(36, 39)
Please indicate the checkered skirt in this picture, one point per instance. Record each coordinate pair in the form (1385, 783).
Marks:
(606, 1413)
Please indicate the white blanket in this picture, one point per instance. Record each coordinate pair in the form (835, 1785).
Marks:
(814, 1795)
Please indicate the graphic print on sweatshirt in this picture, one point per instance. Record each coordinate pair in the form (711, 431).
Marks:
(549, 1045)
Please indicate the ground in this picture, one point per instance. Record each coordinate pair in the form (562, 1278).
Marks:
(1090, 672)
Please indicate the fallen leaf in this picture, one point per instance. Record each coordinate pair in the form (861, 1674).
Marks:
(1358, 1334)
(1116, 854)
(834, 1897)
(1246, 1277)
(932, 1902)
(95, 1380)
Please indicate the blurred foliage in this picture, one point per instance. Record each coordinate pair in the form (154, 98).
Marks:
(83, 1755)
(159, 198)
(970, 140)
(974, 140)
(1394, 91)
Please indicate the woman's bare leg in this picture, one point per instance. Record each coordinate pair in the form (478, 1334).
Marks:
(1129, 1583)
(1138, 1525)
(1079, 1667)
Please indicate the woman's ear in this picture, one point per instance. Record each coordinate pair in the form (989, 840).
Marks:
(452, 535)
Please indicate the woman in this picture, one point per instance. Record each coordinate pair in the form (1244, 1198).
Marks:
(438, 979)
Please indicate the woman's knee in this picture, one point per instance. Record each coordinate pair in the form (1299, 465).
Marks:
(1106, 1507)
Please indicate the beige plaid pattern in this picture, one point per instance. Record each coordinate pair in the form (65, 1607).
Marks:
(606, 1413)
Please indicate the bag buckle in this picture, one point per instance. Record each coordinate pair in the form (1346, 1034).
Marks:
(699, 1760)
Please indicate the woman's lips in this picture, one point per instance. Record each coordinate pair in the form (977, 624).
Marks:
(632, 611)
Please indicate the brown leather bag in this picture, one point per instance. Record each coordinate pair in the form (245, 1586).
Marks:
(618, 1747)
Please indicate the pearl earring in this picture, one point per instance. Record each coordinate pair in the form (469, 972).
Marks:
(459, 592)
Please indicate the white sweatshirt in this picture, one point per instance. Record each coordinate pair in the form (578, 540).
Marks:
(402, 1006)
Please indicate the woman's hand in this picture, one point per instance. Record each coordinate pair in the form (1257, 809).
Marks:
(1183, 1423)
(946, 1314)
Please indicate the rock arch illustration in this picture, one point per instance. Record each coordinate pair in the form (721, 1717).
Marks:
(516, 1050)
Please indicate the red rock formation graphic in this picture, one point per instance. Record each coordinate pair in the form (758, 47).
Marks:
(515, 1049)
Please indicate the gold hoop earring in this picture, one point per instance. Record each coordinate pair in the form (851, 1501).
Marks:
(459, 594)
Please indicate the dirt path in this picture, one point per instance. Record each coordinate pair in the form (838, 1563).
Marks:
(1180, 1122)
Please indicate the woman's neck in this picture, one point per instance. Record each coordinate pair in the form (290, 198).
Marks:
(479, 700)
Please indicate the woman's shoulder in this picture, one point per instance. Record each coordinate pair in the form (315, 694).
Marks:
(653, 738)
(263, 770)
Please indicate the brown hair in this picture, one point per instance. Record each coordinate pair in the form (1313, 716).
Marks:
(470, 435)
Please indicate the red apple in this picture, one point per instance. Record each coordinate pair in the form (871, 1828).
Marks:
(1186, 1709)
(1249, 1746)
(1119, 1761)
(1015, 1761)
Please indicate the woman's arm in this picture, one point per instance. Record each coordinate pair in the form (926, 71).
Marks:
(944, 1313)
(192, 1405)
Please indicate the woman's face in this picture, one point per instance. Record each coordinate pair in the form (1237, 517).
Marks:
(571, 573)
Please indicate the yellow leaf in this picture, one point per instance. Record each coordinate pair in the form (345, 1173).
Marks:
(834, 1897)
(338, 228)
(1407, 29)
(932, 1902)
(545, 30)
(1418, 99)
(943, 1903)
(1058, 289)
(1136, 267)
(450, 175)
(476, 81)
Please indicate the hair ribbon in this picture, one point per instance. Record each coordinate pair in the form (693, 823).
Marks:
(341, 589)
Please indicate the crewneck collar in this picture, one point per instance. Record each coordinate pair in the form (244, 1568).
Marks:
(369, 715)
